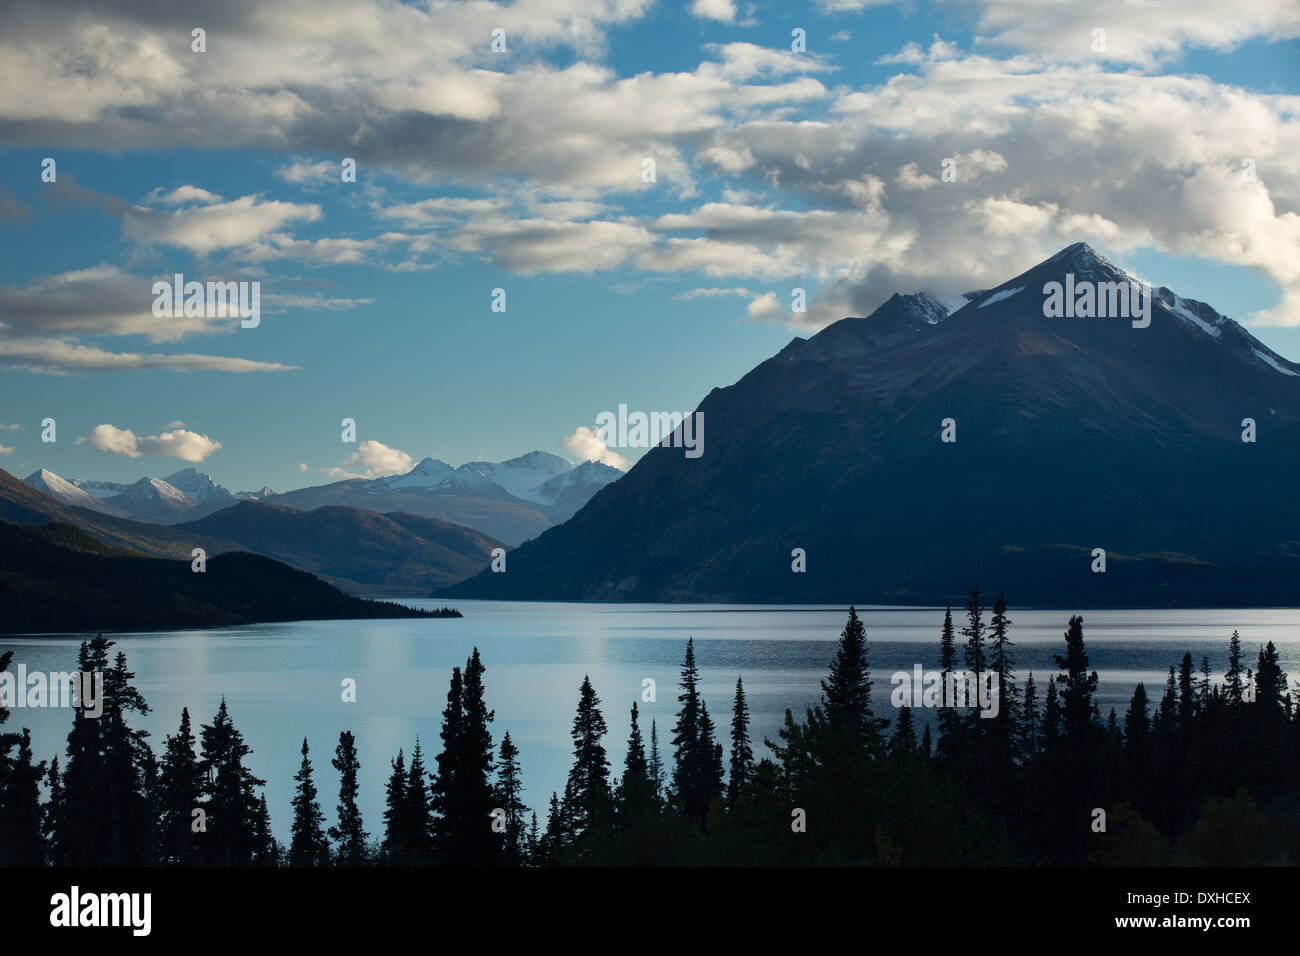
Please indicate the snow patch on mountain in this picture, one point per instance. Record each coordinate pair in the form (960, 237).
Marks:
(99, 489)
(198, 486)
(47, 481)
(522, 476)
(999, 296)
(1269, 360)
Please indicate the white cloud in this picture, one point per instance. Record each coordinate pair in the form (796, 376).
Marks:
(690, 294)
(181, 195)
(302, 172)
(585, 445)
(178, 443)
(6, 450)
(59, 357)
(722, 10)
(764, 306)
(206, 229)
(375, 459)
(302, 467)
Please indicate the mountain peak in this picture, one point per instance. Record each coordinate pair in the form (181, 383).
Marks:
(1082, 259)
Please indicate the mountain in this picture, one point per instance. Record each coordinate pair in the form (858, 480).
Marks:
(511, 500)
(154, 500)
(47, 481)
(198, 486)
(181, 496)
(23, 504)
(568, 491)
(60, 579)
(357, 550)
(522, 477)
(1071, 434)
(99, 489)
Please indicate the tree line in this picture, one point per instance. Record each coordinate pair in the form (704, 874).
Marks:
(1206, 774)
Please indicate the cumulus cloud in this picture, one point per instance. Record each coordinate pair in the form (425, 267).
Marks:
(373, 459)
(765, 306)
(302, 467)
(206, 229)
(6, 450)
(585, 445)
(177, 443)
(721, 10)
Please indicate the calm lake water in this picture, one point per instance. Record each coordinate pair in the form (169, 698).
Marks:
(283, 681)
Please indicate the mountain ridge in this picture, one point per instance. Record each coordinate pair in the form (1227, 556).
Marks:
(1071, 434)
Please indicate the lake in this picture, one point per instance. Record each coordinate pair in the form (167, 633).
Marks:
(283, 681)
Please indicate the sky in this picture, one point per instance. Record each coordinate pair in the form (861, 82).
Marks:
(793, 146)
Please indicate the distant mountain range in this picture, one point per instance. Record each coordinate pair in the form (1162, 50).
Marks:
(1072, 434)
(510, 500)
(357, 550)
(58, 579)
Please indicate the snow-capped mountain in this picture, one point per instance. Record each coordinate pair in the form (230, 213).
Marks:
(47, 481)
(198, 486)
(523, 476)
(182, 496)
(153, 499)
(570, 490)
(99, 489)
(919, 454)
(511, 500)
(427, 474)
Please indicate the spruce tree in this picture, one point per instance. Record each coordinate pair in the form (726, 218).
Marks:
(395, 813)
(509, 791)
(350, 833)
(742, 753)
(656, 764)
(587, 794)
(180, 793)
(555, 841)
(846, 693)
(1233, 683)
(710, 759)
(635, 794)
(447, 793)
(107, 815)
(21, 840)
(1077, 684)
(688, 775)
(1029, 720)
(308, 846)
(974, 632)
(949, 719)
(477, 845)
(903, 744)
(419, 822)
(228, 786)
(1002, 663)
(266, 850)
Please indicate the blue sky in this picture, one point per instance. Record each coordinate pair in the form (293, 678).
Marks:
(523, 171)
